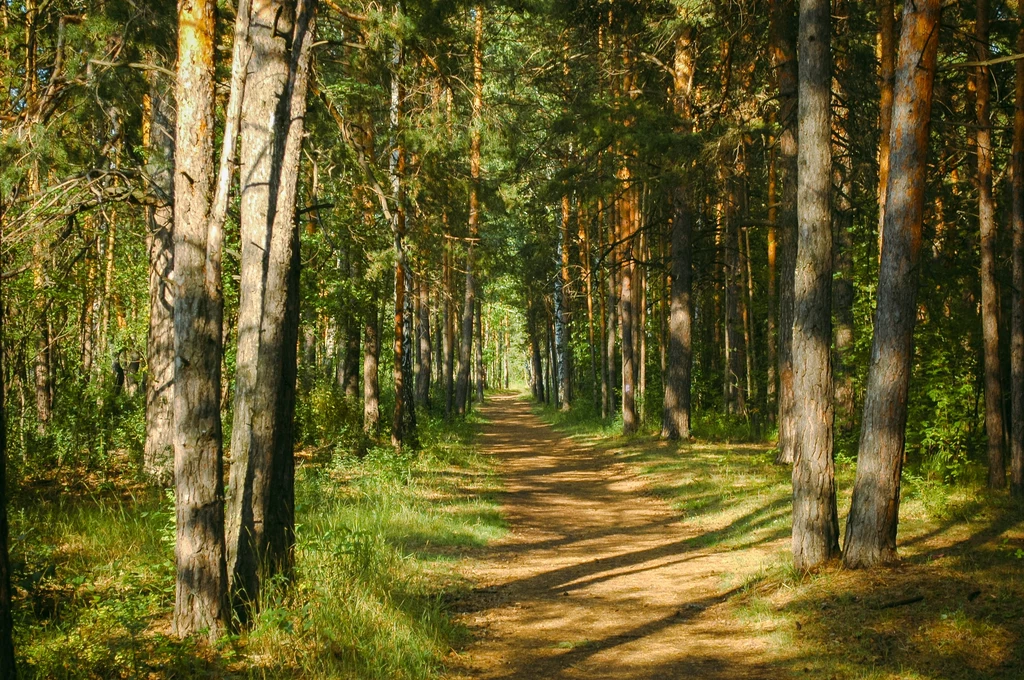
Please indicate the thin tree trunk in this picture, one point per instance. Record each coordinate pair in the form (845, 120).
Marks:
(560, 299)
(989, 287)
(783, 51)
(158, 455)
(842, 221)
(886, 76)
(371, 368)
(201, 584)
(874, 512)
(462, 390)
(449, 333)
(773, 303)
(481, 375)
(815, 519)
(8, 666)
(423, 384)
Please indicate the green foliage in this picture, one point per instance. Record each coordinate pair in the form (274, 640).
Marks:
(377, 539)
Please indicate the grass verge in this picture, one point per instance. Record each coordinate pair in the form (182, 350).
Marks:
(379, 540)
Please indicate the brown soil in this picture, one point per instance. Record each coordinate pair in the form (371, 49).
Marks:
(596, 578)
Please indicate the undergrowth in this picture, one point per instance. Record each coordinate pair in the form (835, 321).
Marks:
(378, 537)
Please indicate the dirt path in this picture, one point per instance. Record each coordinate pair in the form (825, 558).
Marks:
(595, 579)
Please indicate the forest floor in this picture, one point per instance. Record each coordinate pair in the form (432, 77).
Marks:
(635, 558)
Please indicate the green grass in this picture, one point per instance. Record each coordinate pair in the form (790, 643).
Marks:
(962, 549)
(379, 541)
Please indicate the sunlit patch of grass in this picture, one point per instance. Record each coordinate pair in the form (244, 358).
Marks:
(378, 544)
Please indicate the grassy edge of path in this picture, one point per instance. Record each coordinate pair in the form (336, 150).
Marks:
(380, 543)
(951, 609)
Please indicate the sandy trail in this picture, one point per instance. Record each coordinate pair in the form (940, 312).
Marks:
(595, 579)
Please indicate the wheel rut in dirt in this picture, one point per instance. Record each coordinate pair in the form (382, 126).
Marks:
(596, 578)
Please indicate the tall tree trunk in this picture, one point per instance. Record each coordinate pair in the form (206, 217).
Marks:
(350, 357)
(783, 51)
(815, 519)
(201, 585)
(371, 368)
(8, 667)
(462, 389)
(481, 375)
(158, 456)
(403, 408)
(886, 76)
(680, 325)
(423, 383)
(261, 487)
(773, 302)
(449, 332)
(536, 363)
(842, 221)
(1017, 333)
(871, 528)
(989, 287)
(561, 314)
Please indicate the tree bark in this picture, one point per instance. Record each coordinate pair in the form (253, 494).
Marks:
(886, 76)
(449, 332)
(481, 375)
(8, 666)
(783, 51)
(201, 584)
(989, 286)
(462, 389)
(261, 487)
(871, 528)
(425, 368)
(815, 519)
(1017, 331)
(680, 325)
(842, 221)
(158, 455)
(561, 315)
(371, 369)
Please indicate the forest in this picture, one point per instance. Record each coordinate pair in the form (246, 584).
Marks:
(511, 338)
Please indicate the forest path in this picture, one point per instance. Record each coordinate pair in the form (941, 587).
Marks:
(596, 578)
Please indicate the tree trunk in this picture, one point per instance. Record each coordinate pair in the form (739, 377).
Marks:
(1017, 333)
(783, 51)
(350, 358)
(566, 362)
(261, 487)
(201, 584)
(481, 375)
(815, 519)
(871, 528)
(989, 286)
(462, 389)
(8, 667)
(680, 325)
(561, 315)
(425, 368)
(371, 368)
(158, 455)
(886, 76)
(449, 334)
